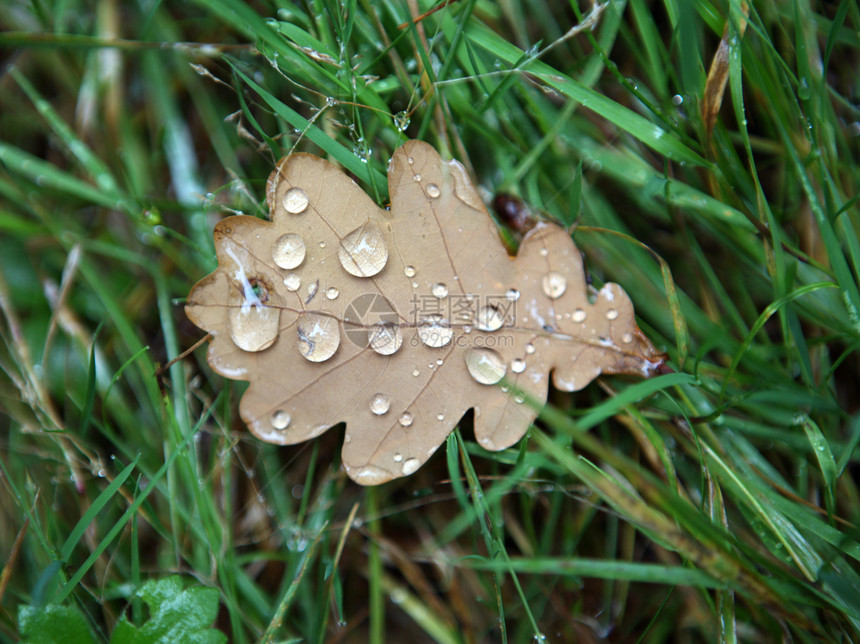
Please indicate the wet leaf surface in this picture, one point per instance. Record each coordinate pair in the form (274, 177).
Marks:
(398, 321)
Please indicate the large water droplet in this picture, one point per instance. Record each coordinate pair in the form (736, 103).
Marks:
(384, 338)
(295, 201)
(553, 285)
(435, 331)
(254, 326)
(281, 419)
(405, 419)
(410, 465)
(489, 318)
(380, 404)
(319, 336)
(439, 290)
(486, 365)
(288, 251)
(363, 252)
(433, 190)
(292, 282)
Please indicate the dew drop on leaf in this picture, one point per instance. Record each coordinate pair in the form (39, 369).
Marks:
(332, 293)
(518, 365)
(363, 252)
(439, 290)
(530, 348)
(433, 190)
(485, 365)
(611, 314)
(435, 331)
(292, 282)
(295, 201)
(384, 338)
(410, 465)
(578, 315)
(319, 336)
(254, 327)
(288, 251)
(281, 419)
(405, 419)
(489, 318)
(553, 285)
(512, 294)
(409, 271)
(380, 404)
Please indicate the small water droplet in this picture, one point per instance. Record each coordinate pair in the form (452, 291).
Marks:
(401, 121)
(281, 419)
(380, 404)
(332, 293)
(435, 331)
(409, 271)
(384, 338)
(486, 365)
(313, 287)
(398, 457)
(417, 177)
(439, 362)
(611, 314)
(489, 318)
(440, 417)
(530, 348)
(627, 338)
(416, 373)
(410, 465)
(433, 190)
(578, 315)
(553, 285)
(439, 290)
(363, 252)
(295, 201)
(319, 336)
(543, 252)
(292, 282)
(405, 419)
(288, 251)
(518, 365)
(512, 294)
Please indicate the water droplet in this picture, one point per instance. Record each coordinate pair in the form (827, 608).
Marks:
(313, 287)
(433, 190)
(322, 244)
(416, 373)
(486, 365)
(363, 252)
(512, 294)
(410, 271)
(281, 419)
(254, 327)
(380, 404)
(611, 314)
(417, 177)
(288, 251)
(440, 362)
(401, 121)
(332, 293)
(398, 457)
(410, 465)
(553, 285)
(295, 201)
(518, 365)
(578, 315)
(292, 282)
(319, 336)
(530, 348)
(627, 338)
(489, 318)
(384, 338)
(440, 417)
(405, 419)
(543, 252)
(439, 290)
(435, 331)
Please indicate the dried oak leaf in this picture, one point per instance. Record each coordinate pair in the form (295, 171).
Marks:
(398, 321)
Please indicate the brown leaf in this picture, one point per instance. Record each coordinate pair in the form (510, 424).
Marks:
(398, 321)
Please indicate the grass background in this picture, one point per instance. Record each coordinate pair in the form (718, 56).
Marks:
(719, 502)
